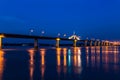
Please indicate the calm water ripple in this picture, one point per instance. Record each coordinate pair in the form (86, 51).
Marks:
(80, 63)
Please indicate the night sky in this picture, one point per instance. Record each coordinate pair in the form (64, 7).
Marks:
(88, 18)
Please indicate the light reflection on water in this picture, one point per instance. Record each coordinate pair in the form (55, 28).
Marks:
(31, 62)
(69, 60)
(2, 63)
(66, 62)
(107, 57)
(42, 53)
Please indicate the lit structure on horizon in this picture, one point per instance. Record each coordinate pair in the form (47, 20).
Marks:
(116, 43)
(74, 36)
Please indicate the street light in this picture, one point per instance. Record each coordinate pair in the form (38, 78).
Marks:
(42, 32)
(31, 31)
(64, 35)
(58, 34)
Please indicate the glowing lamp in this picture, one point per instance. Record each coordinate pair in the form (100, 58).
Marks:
(1, 36)
(58, 39)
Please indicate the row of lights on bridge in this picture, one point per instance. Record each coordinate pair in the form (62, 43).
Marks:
(43, 32)
(58, 35)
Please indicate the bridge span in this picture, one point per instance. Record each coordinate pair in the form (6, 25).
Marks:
(57, 39)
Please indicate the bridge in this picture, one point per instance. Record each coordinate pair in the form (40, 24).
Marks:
(57, 39)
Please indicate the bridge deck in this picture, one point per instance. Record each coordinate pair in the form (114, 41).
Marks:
(37, 37)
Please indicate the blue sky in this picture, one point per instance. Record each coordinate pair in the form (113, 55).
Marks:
(89, 18)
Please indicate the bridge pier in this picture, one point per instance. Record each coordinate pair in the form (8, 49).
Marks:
(0, 42)
(74, 43)
(57, 42)
(106, 43)
(95, 43)
(103, 43)
(85, 43)
(35, 43)
(1, 37)
(90, 43)
(109, 44)
(98, 43)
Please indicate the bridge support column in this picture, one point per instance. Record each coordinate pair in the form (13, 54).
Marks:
(90, 43)
(57, 42)
(95, 43)
(103, 43)
(106, 43)
(109, 44)
(98, 43)
(0, 42)
(35, 43)
(74, 43)
(85, 43)
(1, 37)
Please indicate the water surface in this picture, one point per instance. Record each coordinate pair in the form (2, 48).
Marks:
(80, 63)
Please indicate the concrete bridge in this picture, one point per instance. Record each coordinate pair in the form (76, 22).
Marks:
(57, 39)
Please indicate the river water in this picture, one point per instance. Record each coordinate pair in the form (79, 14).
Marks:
(80, 63)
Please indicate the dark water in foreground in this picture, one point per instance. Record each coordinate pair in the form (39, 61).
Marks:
(95, 63)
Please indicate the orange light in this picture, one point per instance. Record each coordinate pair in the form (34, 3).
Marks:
(75, 56)
(75, 40)
(75, 60)
(42, 51)
(2, 62)
(58, 56)
(31, 53)
(65, 52)
(1, 36)
(42, 71)
(31, 62)
(58, 51)
(58, 39)
(58, 60)
(42, 56)
(75, 50)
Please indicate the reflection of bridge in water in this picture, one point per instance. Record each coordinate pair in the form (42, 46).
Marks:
(103, 57)
(2, 64)
(65, 59)
(85, 42)
(70, 60)
(74, 59)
